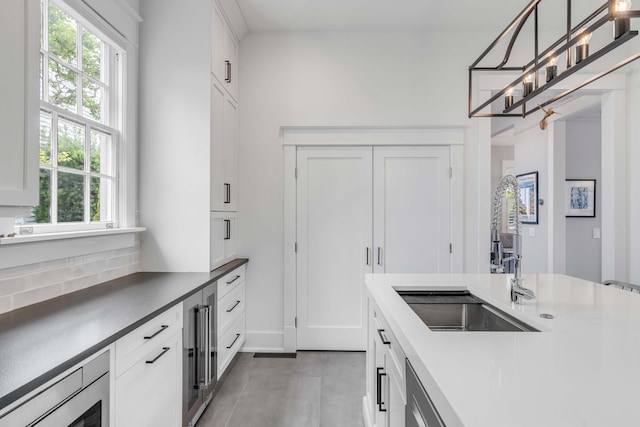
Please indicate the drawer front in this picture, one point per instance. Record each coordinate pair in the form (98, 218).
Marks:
(230, 281)
(230, 343)
(230, 307)
(395, 351)
(138, 343)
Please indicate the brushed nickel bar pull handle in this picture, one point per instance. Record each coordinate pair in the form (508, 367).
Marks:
(233, 280)
(384, 338)
(234, 306)
(234, 341)
(162, 328)
(367, 255)
(227, 193)
(227, 235)
(228, 67)
(379, 255)
(162, 353)
(379, 375)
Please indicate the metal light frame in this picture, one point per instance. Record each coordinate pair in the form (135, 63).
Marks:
(564, 44)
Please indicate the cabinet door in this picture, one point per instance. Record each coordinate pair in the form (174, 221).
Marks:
(223, 243)
(230, 240)
(218, 191)
(223, 150)
(19, 47)
(334, 243)
(381, 384)
(396, 404)
(148, 394)
(229, 148)
(412, 218)
(218, 30)
(218, 232)
(231, 63)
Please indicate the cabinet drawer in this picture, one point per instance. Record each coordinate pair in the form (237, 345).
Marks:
(230, 343)
(230, 307)
(397, 356)
(148, 393)
(230, 281)
(138, 343)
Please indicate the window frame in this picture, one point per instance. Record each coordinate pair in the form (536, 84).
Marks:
(112, 120)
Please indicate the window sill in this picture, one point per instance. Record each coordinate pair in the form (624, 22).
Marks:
(30, 238)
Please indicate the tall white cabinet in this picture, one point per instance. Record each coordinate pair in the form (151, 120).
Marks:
(363, 210)
(188, 128)
(19, 32)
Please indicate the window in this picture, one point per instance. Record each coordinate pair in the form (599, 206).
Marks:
(79, 99)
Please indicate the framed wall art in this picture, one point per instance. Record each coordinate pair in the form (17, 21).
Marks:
(580, 198)
(528, 185)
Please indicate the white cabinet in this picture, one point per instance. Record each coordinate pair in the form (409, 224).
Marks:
(230, 317)
(19, 32)
(224, 52)
(386, 394)
(148, 373)
(224, 112)
(188, 142)
(223, 239)
(362, 210)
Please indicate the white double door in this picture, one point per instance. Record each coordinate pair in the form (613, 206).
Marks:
(364, 210)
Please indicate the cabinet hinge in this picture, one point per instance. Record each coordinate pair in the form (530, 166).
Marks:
(450, 248)
(450, 172)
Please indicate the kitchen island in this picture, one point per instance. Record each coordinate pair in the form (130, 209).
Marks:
(579, 370)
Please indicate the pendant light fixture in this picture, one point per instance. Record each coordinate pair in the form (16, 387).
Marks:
(576, 41)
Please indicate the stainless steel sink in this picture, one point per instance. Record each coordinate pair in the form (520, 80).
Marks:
(460, 311)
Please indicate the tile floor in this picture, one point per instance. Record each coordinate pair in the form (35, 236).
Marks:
(316, 389)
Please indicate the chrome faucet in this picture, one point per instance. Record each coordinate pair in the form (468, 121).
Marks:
(518, 291)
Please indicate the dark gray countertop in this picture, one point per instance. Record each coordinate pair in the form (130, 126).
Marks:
(43, 340)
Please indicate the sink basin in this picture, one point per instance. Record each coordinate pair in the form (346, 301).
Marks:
(460, 311)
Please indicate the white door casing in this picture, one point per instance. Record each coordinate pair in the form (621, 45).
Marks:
(334, 225)
(412, 210)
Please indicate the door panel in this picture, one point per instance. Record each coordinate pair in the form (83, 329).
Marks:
(412, 210)
(333, 231)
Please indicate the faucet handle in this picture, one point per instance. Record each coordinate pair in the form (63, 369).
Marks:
(519, 292)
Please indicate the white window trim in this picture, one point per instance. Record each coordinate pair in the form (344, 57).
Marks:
(117, 68)
(31, 238)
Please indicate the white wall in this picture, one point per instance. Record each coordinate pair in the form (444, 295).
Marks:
(332, 79)
(633, 176)
(583, 160)
(530, 153)
(498, 154)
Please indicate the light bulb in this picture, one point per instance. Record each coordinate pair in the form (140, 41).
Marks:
(508, 98)
(622, 22)
(583, 37)
(552, 68)
(622, 5)
(528, 78)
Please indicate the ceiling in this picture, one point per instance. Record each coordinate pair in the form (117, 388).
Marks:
(400, 15)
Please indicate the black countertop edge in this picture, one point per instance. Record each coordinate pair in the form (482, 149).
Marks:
(21, 391)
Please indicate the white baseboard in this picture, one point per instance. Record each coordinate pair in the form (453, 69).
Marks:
(264, 342)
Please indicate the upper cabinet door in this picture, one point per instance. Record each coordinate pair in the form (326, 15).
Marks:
(218, 30)
(411, 210)
(224, 52)
(231, 63)
(19, 106)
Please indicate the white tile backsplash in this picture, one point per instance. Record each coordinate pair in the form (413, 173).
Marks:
(30, 284)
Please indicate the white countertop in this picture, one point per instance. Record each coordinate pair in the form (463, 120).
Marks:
(581, 370)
